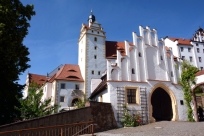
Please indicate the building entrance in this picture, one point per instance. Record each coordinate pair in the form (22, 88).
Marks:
(161, 105)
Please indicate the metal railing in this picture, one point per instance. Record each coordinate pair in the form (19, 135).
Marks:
(58, 130)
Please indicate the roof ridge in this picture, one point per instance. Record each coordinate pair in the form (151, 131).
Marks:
(37, 74)
(60, 71)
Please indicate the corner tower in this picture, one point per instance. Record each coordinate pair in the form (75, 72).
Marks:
(91, 52)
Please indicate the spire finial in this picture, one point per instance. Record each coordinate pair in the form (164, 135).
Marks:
(91, 11)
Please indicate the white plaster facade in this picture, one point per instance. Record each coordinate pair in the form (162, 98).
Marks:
(91, 53)
(145, 64)
(189, 49)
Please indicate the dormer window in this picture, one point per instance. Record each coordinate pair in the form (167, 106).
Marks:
(95, 39)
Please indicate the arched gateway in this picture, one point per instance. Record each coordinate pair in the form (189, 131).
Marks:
(162, 104)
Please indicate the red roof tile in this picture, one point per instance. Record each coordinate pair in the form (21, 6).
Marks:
(181, 41)
(201, 72)
(112, 46)
(39, 79)
(69, 72)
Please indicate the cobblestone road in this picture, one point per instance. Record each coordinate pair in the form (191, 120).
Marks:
(163, 128)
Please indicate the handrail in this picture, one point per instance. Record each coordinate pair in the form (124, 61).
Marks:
(85, 128)
(47, 127)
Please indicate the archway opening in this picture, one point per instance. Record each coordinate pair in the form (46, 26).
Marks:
(74, 101)
(161, 105)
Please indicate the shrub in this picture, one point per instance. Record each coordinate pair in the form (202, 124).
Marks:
(130, 120)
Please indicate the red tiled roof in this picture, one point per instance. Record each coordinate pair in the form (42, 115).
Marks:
(112, 46)
(39, 79)
(181, 41)
(201, 72)
(68, 72)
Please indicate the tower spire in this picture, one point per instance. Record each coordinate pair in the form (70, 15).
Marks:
(91, 17)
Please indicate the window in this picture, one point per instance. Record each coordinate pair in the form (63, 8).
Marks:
(161, 57)
(131, 96)
(181, 102)
(139, 54)
(196, 44)
(183, 57)
(62, 86)
(62, 99)
(92, 72)
(189, 49)
(201, 68)
(99, 72)
(198, 50)
(172, 74)
(133, 71)
(199, 58)
(92, 31)
(181, 49)
(203, 50)
(191, 59)
(95, 47)
(77, 87)
(95, 39)
(95, 57)
(98, 32)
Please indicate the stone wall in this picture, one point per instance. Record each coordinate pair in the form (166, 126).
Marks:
(100, 113)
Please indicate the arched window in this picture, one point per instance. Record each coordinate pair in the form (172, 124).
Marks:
(133, 71)
(74, 101)
(95, 39)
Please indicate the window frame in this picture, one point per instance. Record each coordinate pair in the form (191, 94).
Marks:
(61, 86)
(198, 50)
(191, 58)
(137, 95)
(182, 49)
(189, 49)
(183, 57)
(199, 59)
(63, 98)
(76, 86)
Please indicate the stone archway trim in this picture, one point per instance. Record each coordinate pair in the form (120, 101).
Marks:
(173, 101)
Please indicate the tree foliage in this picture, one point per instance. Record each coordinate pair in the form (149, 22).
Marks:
(81, 103)
(187, 80)
(14, 25)
(33, 106)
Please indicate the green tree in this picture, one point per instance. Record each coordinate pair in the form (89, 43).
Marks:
(14, 25)
(187, 80)
(81, 103)
(33, 106)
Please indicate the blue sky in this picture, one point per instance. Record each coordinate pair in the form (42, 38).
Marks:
(54, 31)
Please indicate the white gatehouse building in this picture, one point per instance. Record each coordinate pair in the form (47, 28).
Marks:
(140, 74)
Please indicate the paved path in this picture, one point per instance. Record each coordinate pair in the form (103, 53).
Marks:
(163, 128)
